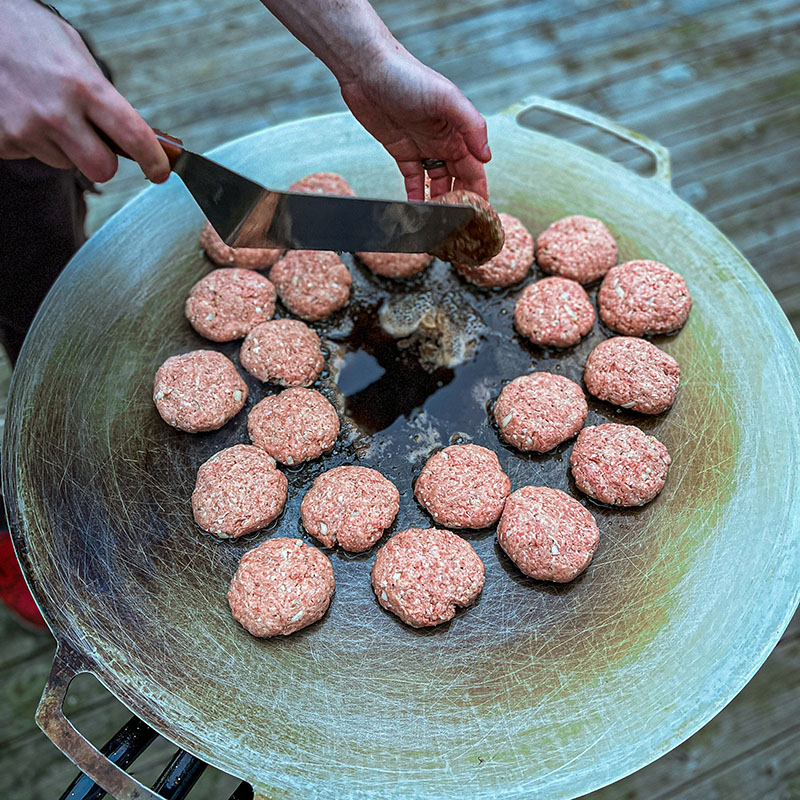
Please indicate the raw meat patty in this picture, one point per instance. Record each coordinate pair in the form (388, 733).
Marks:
(198, 391)
(536, 412)
(312, 283)
(463, 486)
(395, 265)
(322, 183)
(281, 586)
(640, 298)
(511, 264)
(480, 239)
(554, 312)
(350, 506)
(242, 257)
(293, 426)
(577, 247)
(283, 351)
(619, 464)
(228, 303)
(422, 575)
(238, 491)
(632, 373)
(547, 534)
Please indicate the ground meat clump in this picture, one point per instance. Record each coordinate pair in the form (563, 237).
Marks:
(238, 491)
(536, 412)
(241, 257)
(198, 391)
(293, 426)
(228, 303)
(619, 464)
(511, 264)
(549, 535)
(577, 247)
(632, 373)
(463, 486)
(283, 351)
(281, 586)
(350, 506)
(479, 240)
(422, 575)
(395, 265)
(554, 312)
(641, 298)
(312, 283)
(323, 183)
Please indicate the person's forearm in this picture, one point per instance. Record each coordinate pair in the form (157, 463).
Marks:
(346, 35)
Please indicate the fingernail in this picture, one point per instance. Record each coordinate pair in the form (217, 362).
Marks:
(487, 153)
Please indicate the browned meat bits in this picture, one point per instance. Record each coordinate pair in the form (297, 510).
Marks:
(281, 586)
(549, 535)
(641, 298)
(395, 265)
(227, 303)
(350, 506)
(480, 239)
(632, 373)
(619, 464)
(537, 412)
(238, 491)
(554, 312)
(463, 486)
(510, 265)
(283, 351)
(312, 283)
(241, 257)
(198, 391)
(577, 247)
(293, 426)
(423, 575)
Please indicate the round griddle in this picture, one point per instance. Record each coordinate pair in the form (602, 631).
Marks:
(537, 689)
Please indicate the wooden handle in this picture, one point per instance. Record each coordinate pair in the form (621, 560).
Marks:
(171, 145)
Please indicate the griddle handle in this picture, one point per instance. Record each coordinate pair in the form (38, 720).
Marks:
(171, 145)
(86, 757)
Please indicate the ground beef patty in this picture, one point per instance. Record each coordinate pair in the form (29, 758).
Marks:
(323, 183)
(632, 373)
(619, 464)
(238, 491)
(554, 312)
(198, 391)
(463, 486)
(511, 264)
(293, 426)
(350, 506)
(395, 265)
(640, 298)
(312, 283)
(577, 247)
(479, 240)
(228, 303)
(242, 257)
(536, 412)
(547, 534)
(281, 586)
(283, 351)
(422, 575)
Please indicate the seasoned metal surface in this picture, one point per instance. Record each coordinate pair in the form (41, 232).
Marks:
(537, 688)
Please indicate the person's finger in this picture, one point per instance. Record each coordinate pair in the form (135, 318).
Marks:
(472, 126)
(441, 185)
(11, 152)
(469, 174)
(475, 137)
(49, 153)
(414, 178)
(120, 121)
(81, 144)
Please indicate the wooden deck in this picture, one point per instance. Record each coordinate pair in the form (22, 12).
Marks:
(718, 82)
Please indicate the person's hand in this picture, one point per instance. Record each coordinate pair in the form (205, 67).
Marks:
(53, 98)
(416, 113)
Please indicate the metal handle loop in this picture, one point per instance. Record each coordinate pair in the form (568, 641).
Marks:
(659, 153)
